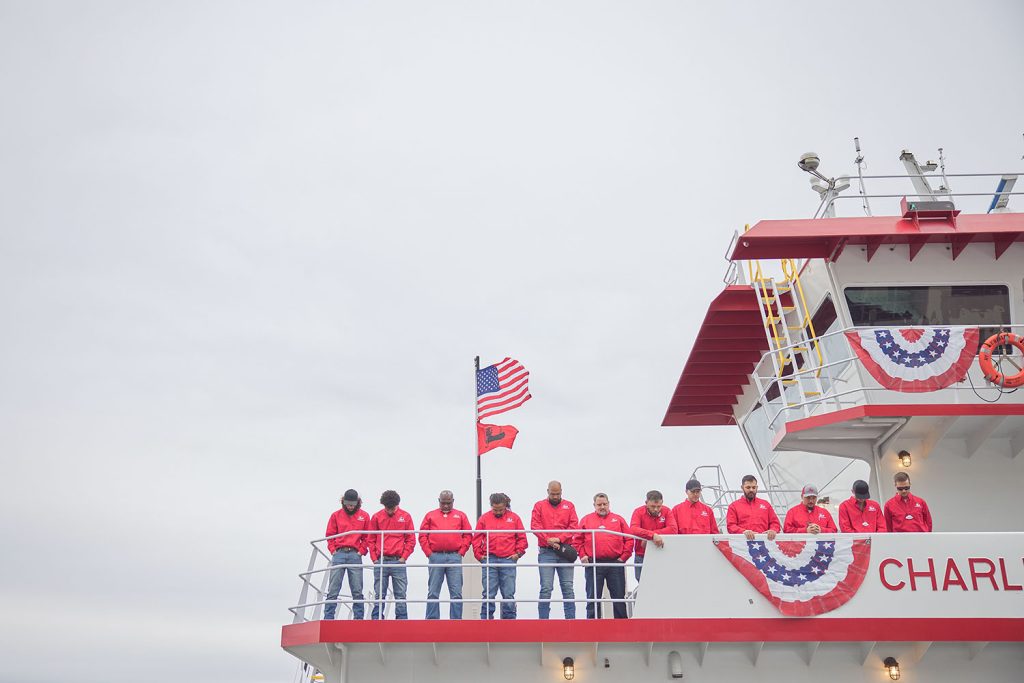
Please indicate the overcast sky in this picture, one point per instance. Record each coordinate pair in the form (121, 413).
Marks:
(248, 252)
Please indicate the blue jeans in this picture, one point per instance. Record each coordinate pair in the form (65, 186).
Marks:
(597, 577)
(500, 574)
(444, 565)
(638, 560)
(547, 580)
(395, 570)
(355, 582)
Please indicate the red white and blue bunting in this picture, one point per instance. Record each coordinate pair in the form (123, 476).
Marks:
(916, 359)
(802, 578)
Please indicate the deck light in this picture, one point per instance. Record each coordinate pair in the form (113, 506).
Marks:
(569, 668)
(904, 458)
(892, 667)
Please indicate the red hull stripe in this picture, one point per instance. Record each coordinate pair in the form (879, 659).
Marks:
(654, 631)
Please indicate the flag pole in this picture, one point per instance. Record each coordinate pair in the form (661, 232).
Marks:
(476, 447)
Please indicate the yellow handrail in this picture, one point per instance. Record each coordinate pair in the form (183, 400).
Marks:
(791, 273)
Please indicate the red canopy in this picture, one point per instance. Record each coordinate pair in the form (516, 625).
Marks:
(827, 237)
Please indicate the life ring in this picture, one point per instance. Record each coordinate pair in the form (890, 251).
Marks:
(990, 371)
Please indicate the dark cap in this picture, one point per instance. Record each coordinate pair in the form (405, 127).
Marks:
(351, 496)
(693, 485)
(809, 490)
(860, 490)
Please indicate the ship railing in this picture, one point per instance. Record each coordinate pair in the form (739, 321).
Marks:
(843, 383)
(980, 192)
(315, 580)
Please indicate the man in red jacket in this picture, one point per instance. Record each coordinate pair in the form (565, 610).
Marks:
(444, 553)
(859, 514)
(554, 513)
(905, 512)
(649, 522)
(604, 554)
(752, 515)
(347, 548)
(389, 551)
(692, 516)
(807, 517)
(499, 542)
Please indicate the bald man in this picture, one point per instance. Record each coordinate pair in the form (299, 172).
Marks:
(557, 518)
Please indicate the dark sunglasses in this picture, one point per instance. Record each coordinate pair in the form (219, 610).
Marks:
(902, 488)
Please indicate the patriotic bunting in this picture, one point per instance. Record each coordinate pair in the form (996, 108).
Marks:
(916, 359)
(802, 578)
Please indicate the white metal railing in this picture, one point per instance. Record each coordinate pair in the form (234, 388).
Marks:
(972, 180)
(317, 575)
(836, 374)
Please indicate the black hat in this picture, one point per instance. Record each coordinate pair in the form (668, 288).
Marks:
(860, 490)
(693, 485)
(351, 496)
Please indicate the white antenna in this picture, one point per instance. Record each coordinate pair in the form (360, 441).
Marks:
(945, 182)
(860, 175)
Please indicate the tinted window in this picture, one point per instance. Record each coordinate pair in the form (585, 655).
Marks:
(983, 305)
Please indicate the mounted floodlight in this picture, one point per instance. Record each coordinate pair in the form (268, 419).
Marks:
(929, 166)
(892, 667)
(904, 458)
(842, 183)
(568, 668)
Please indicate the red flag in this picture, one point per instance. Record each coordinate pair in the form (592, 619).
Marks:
(489, 437)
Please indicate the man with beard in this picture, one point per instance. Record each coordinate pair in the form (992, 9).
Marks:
(389, 551)
(499, 542)
(752, 515)
(554, 513)
(649, 522)
(347, 550)
(807, 517)
(905, 512)
(444, 553)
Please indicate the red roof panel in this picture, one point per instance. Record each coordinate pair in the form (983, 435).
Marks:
(826, 237)
(730, 342)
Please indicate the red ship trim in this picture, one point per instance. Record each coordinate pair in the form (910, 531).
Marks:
(822, 629)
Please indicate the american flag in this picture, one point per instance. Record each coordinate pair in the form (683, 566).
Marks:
(501, 387)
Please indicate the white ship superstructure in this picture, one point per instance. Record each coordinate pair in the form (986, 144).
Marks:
(774, 357)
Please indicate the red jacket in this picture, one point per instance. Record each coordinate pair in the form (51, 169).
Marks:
(853, 520)
(548, 516)
(695, 518)
(904, 517)
(642, 524)
(608, 546)
(401, 545)
(455, 520)
(499, 544)
(799, 517)
(340, 522)
(756, 515)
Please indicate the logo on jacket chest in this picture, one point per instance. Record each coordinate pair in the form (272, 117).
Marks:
(762, 507)
(703, 513)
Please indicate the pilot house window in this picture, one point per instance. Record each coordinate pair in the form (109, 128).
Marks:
(987, 306)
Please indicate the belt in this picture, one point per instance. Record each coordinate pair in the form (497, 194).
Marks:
(347, 547)
(392, 557)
